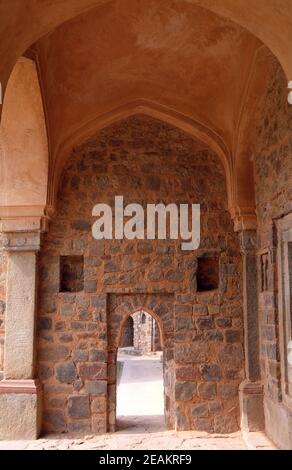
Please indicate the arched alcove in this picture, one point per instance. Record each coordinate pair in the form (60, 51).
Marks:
(24, 145)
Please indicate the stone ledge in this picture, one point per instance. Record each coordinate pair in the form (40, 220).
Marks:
(251, 388)
(31, 387)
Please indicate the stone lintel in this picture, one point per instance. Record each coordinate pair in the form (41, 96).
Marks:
(27, 386)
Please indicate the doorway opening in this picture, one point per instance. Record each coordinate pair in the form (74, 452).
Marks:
(140, 382)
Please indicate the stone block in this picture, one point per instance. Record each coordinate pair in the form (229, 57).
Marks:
(184, 391)
(96, 387)
(20, 416)
(66, 372)
(78, 406)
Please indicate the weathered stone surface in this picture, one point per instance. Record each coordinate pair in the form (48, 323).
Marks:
(78, 406)
(98, 405)
(66, 372)
(52, 353)
(200, 410)
(227, 391)
(93, 371)
(203, 424)
(184, 391)
(122, 277)
(207, 390)
(44, 323)
(55, 420)
(20, 416)
(96, 387)
(97, 355)
(225, 424)
(99, 424)
(211, 372)
(194, 353)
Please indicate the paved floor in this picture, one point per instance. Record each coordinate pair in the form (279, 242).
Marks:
(141, 392)
(148, 436)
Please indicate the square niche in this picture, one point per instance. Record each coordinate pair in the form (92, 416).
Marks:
(71, 273)
(207, 273)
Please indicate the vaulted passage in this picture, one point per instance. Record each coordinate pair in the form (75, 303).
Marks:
(80, 330)
(178, 105)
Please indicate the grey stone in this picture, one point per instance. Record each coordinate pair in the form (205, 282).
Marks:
(97, 355)
(225, 424)
(211, 372)
(55, 419)
(207, 390)
(44, 323)
(52, 353)
(82, 225)
(184, 391)
(66, 372)
(227, 391)
(96, 387)
(200, 410)
(78, 406)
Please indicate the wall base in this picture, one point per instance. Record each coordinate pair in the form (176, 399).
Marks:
(20, 409)
(278, 424)
(251, 406)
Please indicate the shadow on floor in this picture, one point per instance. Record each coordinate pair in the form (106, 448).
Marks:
(140, 424)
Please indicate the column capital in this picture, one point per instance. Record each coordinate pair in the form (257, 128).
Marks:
(21, 228)
(21, 241)
(244, 218)
(248, 241)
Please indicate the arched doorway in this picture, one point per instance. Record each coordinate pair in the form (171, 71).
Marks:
(155, 314)
(140, 385)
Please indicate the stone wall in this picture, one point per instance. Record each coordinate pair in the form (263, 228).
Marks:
(127, 339)
(146, 161)
(273, 183)
(144, 331)
(2, 307)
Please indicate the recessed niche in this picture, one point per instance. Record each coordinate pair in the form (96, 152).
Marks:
(264, 271)
(208, 273)
(71, 273)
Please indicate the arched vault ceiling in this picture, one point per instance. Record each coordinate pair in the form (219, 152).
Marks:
(169, 52)
(23, 22)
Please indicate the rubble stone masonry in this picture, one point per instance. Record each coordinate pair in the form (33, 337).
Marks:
(146, 161)
(273, 183)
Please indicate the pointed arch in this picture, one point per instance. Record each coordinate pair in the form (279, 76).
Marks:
(24, 145)
(151, 109)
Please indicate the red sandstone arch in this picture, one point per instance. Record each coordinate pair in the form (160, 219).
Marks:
(152, 314)
(23, 146)
(269, 22)
(257, 19)
(155, 110)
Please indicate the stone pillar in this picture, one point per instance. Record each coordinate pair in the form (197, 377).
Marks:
(251, 390)
(20, 397)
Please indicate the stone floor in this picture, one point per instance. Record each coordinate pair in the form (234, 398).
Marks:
(147, 436)
(141, 391)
